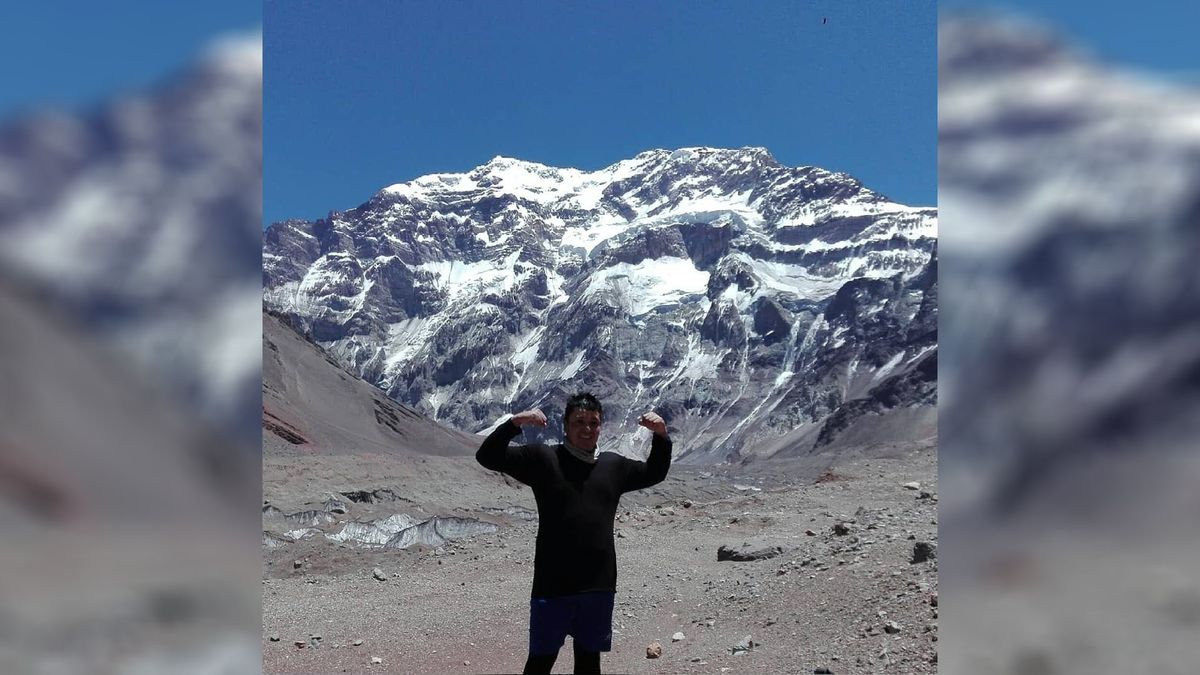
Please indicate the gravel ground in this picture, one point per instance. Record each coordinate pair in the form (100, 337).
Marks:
(825, 602)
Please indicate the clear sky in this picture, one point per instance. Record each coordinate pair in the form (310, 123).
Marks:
(73, 55)
(360, 95)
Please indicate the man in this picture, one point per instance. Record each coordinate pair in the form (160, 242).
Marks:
(577, 492)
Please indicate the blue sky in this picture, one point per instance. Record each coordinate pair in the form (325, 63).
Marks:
(75, 54)
(360, 95)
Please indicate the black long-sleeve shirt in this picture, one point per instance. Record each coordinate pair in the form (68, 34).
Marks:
(577, 503)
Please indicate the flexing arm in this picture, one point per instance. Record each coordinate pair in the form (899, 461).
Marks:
(496, 454)
(652, 471)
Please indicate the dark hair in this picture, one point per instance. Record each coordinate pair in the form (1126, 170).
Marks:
(582, 401)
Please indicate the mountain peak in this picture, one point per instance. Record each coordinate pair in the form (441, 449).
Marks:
(718, 154)
(502, 162)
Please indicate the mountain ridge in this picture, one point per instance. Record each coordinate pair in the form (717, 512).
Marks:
(514, 284)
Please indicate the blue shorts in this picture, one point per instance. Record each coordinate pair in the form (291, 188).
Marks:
(587, 617)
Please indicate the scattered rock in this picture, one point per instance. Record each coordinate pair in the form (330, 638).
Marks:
(743, 554)
(912, 486)
(891, 627)
(810, 533)
(933, 599)
(744, 645)
(375, 660)
(653, 650)
(273, 637)
(677, 637)
(822, 671)
(841, 529)
(925, 495)
(922, 551)
(357, 643)
(297, 564)
(687, 503)
(668, 511)
(378, 574)
(300, 644)
(710, 623)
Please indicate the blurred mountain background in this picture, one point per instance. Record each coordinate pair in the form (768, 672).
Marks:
(1069, 200)
(130, 196)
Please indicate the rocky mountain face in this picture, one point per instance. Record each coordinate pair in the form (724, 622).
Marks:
(141, 219)
(742, 299)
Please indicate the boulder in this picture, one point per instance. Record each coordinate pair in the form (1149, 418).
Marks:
(745, 553)
(922, 551)
(744, 645)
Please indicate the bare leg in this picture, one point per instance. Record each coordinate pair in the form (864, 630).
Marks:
(585, 661)
(540, 664)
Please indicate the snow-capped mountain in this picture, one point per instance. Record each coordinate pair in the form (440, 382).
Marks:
(142, 218)
(741, 298)
(1069, 190)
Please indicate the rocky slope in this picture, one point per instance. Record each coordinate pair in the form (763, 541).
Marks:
(313, 405)
(741, 298)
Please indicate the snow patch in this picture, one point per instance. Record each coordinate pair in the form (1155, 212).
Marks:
(459, 278)
(588, 238)
(649, 284)
(573, 367)
(887, 368)
(406, 338)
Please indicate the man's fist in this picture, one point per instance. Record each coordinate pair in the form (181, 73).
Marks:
(654, 423)
(529, 417)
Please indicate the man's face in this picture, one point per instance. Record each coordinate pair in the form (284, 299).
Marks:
(583, 429)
